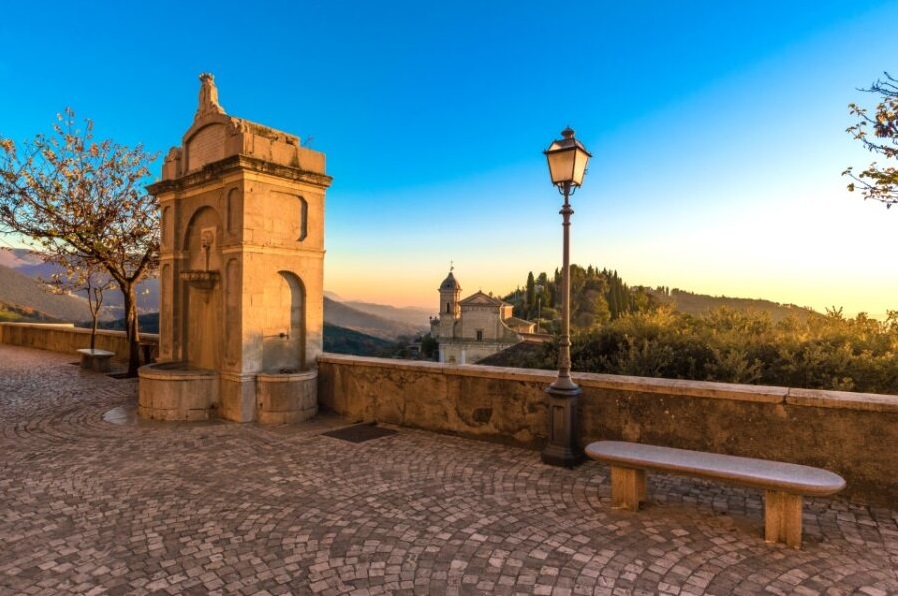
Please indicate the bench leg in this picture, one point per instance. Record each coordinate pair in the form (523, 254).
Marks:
(627, 488)
(782, 518)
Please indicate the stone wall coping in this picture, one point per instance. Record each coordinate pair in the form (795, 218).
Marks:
(161, 373)
(70, 328)
(95, 352)
(41, 325)
(817, 398)
(845, 400)
(276, 377)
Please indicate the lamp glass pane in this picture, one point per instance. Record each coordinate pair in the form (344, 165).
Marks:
(561, 165)
(579, 166)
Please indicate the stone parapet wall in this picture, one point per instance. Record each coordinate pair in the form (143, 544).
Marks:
(852, 434)
(67, 338)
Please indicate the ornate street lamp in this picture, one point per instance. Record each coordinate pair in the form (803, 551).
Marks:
(567, 165)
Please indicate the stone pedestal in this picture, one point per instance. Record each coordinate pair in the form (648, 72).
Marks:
(96, 360)
(561, 447)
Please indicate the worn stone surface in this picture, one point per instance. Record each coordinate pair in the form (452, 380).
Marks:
(92, 506)
(67, 338)
(831, 430)
(241, 256)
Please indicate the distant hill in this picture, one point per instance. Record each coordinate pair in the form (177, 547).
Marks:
(376, 320)
(28, 297)
(339, 340)
(336, 339)
(30, 263)
(415, 316)
(701, 304)
(27, 262)
(338, 318)
(343, 315)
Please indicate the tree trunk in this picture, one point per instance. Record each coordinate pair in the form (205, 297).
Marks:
(131, 331)
(93, 331)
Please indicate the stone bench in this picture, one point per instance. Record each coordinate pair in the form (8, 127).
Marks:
(96, 360)
(785, 484)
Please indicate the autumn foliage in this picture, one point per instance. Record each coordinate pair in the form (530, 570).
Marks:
(879, 134)
(81, 201)
(828, 351)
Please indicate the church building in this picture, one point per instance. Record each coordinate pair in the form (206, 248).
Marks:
(478, 326)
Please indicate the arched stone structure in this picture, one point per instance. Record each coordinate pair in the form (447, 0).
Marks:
(242, 273)
(202, 328)
(283, 331)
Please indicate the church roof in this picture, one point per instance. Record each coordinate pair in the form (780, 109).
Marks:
(481, 299)
(516, 322)
(450, 284)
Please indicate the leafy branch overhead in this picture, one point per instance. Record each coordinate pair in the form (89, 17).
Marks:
(82, 202)
(877, 182)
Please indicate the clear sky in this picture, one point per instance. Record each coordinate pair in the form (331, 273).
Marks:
(717, 129)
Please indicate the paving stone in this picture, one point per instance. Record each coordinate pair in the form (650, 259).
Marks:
(128, 507)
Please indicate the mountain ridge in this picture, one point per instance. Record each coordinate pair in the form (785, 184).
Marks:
(29, 297)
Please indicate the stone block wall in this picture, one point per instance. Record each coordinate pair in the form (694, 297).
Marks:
(67, 338)
(852, 434)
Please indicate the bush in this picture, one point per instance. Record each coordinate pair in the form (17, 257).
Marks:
(728, 345)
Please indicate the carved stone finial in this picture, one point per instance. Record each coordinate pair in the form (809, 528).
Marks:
(208, 97)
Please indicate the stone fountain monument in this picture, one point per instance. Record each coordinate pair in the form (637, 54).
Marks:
(241, 273)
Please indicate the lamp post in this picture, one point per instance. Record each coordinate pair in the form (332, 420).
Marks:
(567, 159)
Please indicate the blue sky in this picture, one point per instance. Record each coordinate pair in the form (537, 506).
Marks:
(717, 129)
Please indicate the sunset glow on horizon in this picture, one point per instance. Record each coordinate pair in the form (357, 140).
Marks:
(717, 132)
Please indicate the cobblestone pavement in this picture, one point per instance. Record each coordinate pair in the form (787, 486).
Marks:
(91, 503)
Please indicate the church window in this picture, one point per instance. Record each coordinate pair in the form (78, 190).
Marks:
(448, 308)
(480, 335)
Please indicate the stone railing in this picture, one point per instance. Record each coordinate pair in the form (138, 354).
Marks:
(68, 338)
(853, 434)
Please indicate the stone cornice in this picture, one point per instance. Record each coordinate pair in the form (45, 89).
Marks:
(622, 386)
(237, 163)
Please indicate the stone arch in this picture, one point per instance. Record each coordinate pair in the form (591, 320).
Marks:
(204, 221)
(284, 328)
(202, 293)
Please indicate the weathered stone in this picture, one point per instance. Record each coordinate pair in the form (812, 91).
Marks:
(91, 506)
(96, 360)
(856, 438)
(65, 337)
(242, 260)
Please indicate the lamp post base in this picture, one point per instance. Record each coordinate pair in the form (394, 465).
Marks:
(561, 449)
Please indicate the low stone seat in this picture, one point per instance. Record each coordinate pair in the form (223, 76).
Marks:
(785, 484)
(96, 360)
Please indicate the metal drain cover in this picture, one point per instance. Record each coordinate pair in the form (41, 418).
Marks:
(359, 433)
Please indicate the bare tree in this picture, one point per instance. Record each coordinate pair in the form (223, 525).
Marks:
(83, 201)
(87, 277)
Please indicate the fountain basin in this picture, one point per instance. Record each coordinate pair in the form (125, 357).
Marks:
(286, 397)
(176, 391)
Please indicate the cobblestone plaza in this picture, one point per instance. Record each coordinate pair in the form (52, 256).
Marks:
(93, 501)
